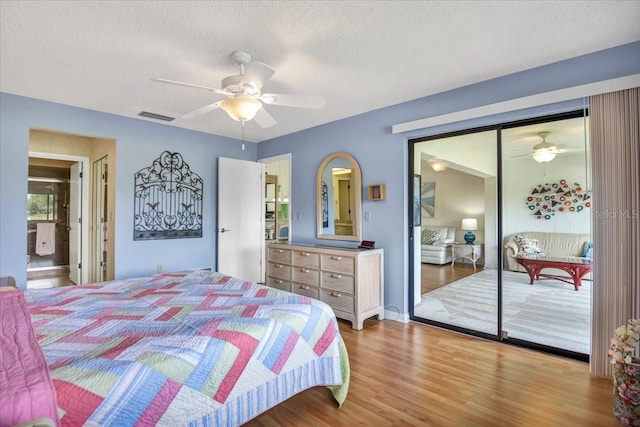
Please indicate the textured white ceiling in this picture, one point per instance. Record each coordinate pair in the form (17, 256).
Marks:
(359, 55)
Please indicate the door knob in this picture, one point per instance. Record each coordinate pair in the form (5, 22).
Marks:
(224, 230)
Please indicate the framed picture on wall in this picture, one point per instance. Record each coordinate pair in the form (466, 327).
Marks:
(428, 196)
(416, 201)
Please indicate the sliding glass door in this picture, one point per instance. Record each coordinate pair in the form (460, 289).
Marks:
(501, 232)
(546, 201)
(456, 241)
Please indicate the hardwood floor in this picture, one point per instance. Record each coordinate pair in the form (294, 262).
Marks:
(434, 276)
(413, 374)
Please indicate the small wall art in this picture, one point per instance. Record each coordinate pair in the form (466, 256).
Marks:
(167, 200)
(417, 210)
(428, 198)
(548, 199)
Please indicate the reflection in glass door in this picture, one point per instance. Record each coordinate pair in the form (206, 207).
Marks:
(456, 245)
(546, 205)
(502, 248)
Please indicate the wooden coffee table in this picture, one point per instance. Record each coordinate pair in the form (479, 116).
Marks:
(577, 267)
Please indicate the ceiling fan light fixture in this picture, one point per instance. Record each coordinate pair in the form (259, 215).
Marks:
(439, 166)
(543, 155)
(241, 108)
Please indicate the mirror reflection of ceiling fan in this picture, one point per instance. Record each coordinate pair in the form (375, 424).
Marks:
(244, 100)
(438, 164)
(544, 152)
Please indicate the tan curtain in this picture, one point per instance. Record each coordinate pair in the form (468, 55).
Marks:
(615, 155)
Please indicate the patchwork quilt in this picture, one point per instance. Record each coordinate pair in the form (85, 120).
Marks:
(198, 348)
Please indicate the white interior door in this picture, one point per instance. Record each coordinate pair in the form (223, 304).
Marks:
(240, 229)
(75, 228)
(98, 260)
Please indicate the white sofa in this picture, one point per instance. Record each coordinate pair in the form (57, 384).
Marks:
(561, 244)
(438, 252)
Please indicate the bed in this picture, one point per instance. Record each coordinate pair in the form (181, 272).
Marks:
(198, 348)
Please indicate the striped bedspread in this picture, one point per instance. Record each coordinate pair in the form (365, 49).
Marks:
(197, 348)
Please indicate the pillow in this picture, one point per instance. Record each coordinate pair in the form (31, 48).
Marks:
(586, 252)
(527, 246)
(429, 236)
(450, 232)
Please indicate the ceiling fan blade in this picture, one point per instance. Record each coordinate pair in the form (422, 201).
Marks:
(173, 82)
(257, 75)
(264, 119)
(300, 101)
(201, 111)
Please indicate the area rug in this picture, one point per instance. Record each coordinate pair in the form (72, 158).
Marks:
(550, 312)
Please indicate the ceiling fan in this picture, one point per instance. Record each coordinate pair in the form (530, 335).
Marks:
(244, 98)
(544, 151)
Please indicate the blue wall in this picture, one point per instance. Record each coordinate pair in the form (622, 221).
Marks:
(382, 157)
(138, 143)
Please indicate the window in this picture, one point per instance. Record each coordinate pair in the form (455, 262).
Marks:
(40, 207)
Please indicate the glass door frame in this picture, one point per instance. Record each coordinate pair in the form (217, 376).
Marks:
(499, 127)
(412, 256)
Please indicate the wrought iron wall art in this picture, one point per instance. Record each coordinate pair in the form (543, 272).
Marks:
(167, 200)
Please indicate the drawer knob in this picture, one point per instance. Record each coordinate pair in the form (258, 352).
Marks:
(305, 253)
(336, 294)
(278, 281)
(338, 258)
(279, 265)
(306, 288)
(304, 270)
(279, 251)
(336, 276)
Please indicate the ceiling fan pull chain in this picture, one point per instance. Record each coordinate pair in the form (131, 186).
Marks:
(242, 134)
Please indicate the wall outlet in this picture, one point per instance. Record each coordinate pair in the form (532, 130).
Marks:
(367, 215)
(298, 216)
(160, 268)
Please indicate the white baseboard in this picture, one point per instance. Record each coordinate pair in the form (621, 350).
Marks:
(395, 315)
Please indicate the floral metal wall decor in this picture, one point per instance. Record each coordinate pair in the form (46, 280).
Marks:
(548, 199)
(168, 200)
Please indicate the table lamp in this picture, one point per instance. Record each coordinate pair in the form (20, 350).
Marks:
(469, 224)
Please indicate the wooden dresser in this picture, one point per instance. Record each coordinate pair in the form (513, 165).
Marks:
(351, 281)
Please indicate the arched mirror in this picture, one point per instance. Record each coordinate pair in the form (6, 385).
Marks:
(339, 199)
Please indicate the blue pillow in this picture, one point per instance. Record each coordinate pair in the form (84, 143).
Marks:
(586, 253)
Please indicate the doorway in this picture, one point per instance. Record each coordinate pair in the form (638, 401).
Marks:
(47, 147)
(47, 223)
(57, 198)
(277, 201)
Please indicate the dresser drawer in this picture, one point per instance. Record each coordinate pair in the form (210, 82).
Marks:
(338, 282)
(350, 281)
(306, 259)
(306, 290)
(283, 285)
(282, 256)
(338, 263)
(338, 301)
(281, 271)
(306, 276)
